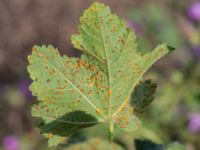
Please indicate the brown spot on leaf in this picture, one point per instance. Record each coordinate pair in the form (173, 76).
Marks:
(53, 72)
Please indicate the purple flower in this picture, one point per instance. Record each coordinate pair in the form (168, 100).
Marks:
(194, 11)
(134, 26)
(194, 122)
(11, 143)
(23, 86)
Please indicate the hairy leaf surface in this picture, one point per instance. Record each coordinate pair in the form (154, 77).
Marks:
(75, 93)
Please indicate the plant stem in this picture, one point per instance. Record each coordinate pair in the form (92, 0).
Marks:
(111, 130)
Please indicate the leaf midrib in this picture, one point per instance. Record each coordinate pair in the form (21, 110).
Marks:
(107, 65)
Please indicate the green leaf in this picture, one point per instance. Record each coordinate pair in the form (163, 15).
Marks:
(143, 95)
(95, 144)
(58, 129)
(98, 84)
(149, 145)
(175, 146)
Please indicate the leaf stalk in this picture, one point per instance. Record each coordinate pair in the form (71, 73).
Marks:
(111, 130)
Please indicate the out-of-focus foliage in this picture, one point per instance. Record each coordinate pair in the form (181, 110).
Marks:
(155, 26)
(97, 144)
(149, 145)
(182, 102)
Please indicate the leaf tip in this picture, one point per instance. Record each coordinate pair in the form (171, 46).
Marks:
(170, 48)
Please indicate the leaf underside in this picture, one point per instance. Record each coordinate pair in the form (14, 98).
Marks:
(75, 93)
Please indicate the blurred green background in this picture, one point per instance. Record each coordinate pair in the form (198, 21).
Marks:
(173, 117)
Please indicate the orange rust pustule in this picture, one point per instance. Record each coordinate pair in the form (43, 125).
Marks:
(110, 92)
(81, 63)
(122, 121)
(98, 111)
